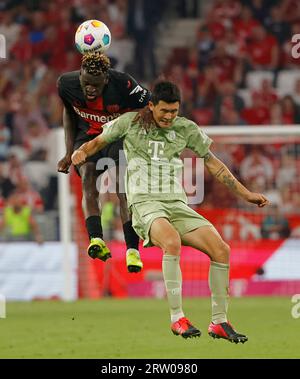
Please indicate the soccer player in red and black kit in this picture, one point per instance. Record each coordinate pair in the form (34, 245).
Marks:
(93, 96)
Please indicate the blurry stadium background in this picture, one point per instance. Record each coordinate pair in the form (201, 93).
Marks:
(232, 60)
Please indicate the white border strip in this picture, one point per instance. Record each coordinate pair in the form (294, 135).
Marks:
(252, 130)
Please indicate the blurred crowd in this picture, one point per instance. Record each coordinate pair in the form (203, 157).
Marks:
(241, 65)
(238, 70)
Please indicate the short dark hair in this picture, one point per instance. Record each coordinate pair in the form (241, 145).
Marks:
(95, 63)
(165, 91)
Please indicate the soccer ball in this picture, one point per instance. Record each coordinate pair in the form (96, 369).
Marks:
(92, 35)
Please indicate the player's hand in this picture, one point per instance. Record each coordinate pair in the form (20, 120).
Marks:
(64, 164)
(257, 198)
(78, 157)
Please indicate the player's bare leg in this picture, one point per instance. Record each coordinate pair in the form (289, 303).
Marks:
(91, 211)
(164, 235)
(133, 259)
(209, 241)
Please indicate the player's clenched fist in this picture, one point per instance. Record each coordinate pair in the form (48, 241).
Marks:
(257, 198)
(78, 157)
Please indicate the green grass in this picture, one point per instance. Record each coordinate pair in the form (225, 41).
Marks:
(139, 328)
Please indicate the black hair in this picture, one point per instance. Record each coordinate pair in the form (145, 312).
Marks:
(95, 63)
(165, 91)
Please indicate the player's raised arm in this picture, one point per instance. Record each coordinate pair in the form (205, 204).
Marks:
(69, 125)
(219, 170)
(88, 149)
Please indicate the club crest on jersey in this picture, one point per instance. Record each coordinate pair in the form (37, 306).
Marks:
(172, 135)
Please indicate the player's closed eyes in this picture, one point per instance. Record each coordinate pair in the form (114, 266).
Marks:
(166, 111)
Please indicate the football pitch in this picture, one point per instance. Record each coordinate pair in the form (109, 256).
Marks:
(140, 328)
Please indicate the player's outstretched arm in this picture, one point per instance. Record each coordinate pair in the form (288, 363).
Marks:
(88, 149)
(220, 171)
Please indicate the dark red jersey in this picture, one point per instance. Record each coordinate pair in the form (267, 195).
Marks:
(120, 95)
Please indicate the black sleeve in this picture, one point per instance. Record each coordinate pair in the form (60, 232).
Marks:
(60, 84)
(60, 89)
(135, 95)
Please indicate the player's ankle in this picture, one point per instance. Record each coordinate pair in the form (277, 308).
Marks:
(177, 316)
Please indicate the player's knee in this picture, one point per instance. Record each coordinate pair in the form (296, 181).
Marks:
(222, 253)
(172, 245)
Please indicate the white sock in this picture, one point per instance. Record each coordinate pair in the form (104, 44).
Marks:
(173, 283)
(176, 317)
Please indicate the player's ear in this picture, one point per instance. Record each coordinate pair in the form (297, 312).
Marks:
(151, 105)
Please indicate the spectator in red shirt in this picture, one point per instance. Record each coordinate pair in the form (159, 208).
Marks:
(230, 117)
(52, 48)
(244, 25)
(234, 46)
(225, 9)
(256, 166)
(290, 10)
(257, 114)
(227, 66)
(228, 104)
(262, 50)
(22, 49)
(220, 16)
(266, 93)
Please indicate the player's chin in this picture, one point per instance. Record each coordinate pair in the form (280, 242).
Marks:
(165, 124)
(90, 97)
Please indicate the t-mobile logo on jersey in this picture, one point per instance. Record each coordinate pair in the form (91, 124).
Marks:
(296, 48)
(156, 150)
(2, 46)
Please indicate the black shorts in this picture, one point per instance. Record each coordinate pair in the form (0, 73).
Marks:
(113, 151)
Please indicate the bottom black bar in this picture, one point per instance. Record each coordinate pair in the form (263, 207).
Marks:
(136, 367)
